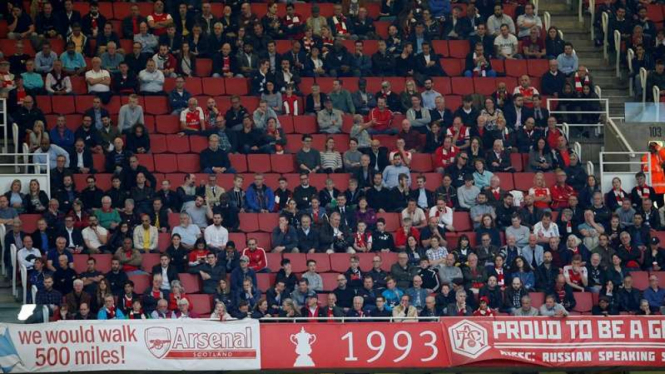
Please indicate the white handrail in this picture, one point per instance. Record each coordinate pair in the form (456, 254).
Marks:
(4, 124)
(631, 73)
(643, 79)
(566, 129)
(547, 20)
(619, 135)
(26, 156)
(561, 35)
(592, 11)
(605, 20)
(599, 92)
(3, 232)
(577, 148)
(580, 17)
(33, 293)
(15, 131)
(617, 47)
(24, 282)
(590, 168)
(656, 94)
(46, 315)
(535, 7)
(13, 254)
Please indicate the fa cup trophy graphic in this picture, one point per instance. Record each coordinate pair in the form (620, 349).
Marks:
(303, 342)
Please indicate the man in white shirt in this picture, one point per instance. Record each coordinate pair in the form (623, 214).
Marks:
(429, 95)
(99, 81)
(505, 44)
(28, 254)
(497, 19)
(95, 237)
(528, 20)
(187, 231)
(146, 235)
(216, 235)
(545, 229)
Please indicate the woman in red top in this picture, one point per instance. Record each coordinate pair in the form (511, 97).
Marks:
(483, 309)
(404, 232)
(198, 254)
(540, 192)
(445, 154)
(552, 133)
(177, 294)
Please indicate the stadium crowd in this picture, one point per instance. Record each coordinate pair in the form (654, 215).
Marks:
(560, 237)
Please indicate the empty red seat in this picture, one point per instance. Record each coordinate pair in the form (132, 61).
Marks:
(149, 260)
(204, 68)
(462, 221)
(98, 161)
(287, 123)
(238, 238)
(442, 85)
(523, 181)
(640, 279)
(189, 163)
(167, 124)
(459, 48)
(453, 67)
(249, 222)
(537, 299)
(274, 260)
(165, 163)
(83, 103)
(141, 282)
(329, 281)
(44, 103)
(441, 47)
(259, 163)
(516, 161)
(164, 241)
(197, 143)
(177, 144)
(191, 282)
(238, 162)
(387, 260)
(146, 160)
(305, 125)
(282, 164)
(213, 86)
(584, 302)
(506, 181)
(156, 105)
(537, 67)
(80, 262)
(202, 304)
(484, 86)
(236, 86)
(421, 162)
(265, 280)
(462, 86)
(340, 262)
(268, 221)
(63, 104)
(516, 68)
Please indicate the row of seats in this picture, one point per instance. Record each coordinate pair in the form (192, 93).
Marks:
(285, 164)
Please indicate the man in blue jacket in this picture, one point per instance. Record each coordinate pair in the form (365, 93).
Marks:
(259, 197)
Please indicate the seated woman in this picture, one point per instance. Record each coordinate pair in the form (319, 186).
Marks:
(138, 140)
(178, 293)
(331, 160)
(540, 157)
(15, 196)
(615, 196)
(487, 226)
(540, 192)
(522, 270)
(35, 135)
(36, 200)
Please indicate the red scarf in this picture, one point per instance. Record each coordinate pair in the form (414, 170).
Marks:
(128, 301)
(579, 85)
(110, 313)
(643, 192)
(618, 195)
(340, 25)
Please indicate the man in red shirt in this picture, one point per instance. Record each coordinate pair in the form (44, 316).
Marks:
(561, 191)
(526, 90)
(258, 261)
(404, 232)
(158, 20)
(192, 119)
(380, 119)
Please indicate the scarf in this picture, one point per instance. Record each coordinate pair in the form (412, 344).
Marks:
(110, 313)
(340, 25)
(579, 85)
(618, 195)
(480, 69)
(643, 192)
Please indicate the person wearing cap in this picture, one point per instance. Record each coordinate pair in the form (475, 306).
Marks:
(483, 308)
(329, 119)
(654, 256)
(553, 309)
(604, 308)
(239, 274)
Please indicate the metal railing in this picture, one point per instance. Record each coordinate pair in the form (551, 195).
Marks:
(605, 20)
(655, 91)
(577, 148)
(547, 20)
(617, 47)
(535, 6)
(597, 126)
(4, 124)
(631, 73)
(13, 252)
(565, 128)
(632, 163)
(592, 11)
(643, 80)
(590, 168)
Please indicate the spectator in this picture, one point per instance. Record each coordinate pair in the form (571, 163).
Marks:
(553, 309)
(527, 21)
(148, 42)
(505, 44)
(498, 19)
(567, 61)
(329, 119)
(179, 97)
(72, 61)
(151, 80)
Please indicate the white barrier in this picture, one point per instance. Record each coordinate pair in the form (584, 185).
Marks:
(631, 73)
(605, 20)
(643, 79)
(592, 11)
(617, 47)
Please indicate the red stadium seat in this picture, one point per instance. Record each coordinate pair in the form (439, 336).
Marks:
(459, 48)
(177, 144)
(655, 12)
(441, 47)
(141, 282)
(506, 181)
(165, 163)
(236, 86)
(249, 222)
(298, 261)
(274, 260)
(322, 261)
(340, 262)
(516, 68)
(523, 181)
(202, 304)
(238, 238)
(259, 163)
(156, 105)
(30, 221)
(537, 299)
(167, 124)
(189, 163)
(63, 104)
(44, 103)
(148, 261)
(421, 162)
(164, 241)
(387, 260)
(661, 278)
(197, 143)
(537, 67)
(305, 125)
(204, 69)
(193, 85)
(238, 162)
(191, 282)
(265, 280)
(306, 85)
(584, 302)
(462, 221)
(282, 164)
(98, 161)
(452, 67)
(287, 123)
(366, 261)
(80, 263)
(263, 239)
(268, 221)
(146, 160)
(462, 86)
(213, 86)
(484, 86)
(392, 221)
(329, 281)
(640, 279)
(157, 143)
(516, 161)
(442, 85)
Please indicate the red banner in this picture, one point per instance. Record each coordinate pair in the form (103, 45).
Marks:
(352, 346)
(571, 342)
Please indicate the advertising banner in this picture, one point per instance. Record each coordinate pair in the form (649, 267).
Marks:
(294, 346)
(571, 342)
(162, 345)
